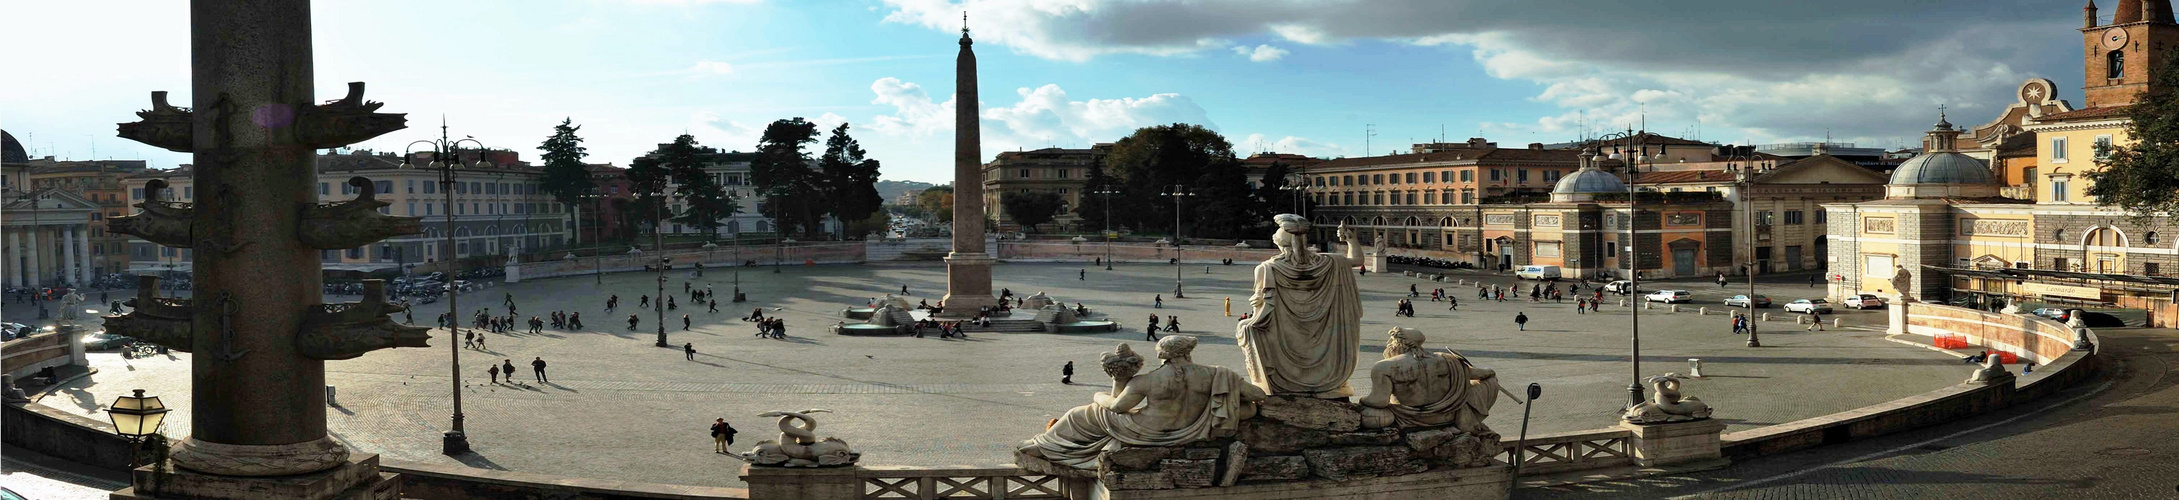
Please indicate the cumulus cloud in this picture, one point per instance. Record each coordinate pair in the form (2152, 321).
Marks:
(1290, 144)
(1040, 117)
(1261, 53)
(1870, 68)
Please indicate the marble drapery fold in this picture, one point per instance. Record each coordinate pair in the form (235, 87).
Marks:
(1305, 332)
(1086, 431)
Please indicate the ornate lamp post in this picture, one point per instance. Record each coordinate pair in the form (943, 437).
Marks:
(1298, 184)
(1177, 191)
(1629, 161)
(1745, 174)
(445, 155)
(1108, 192)
(658, 244)
(136, 417)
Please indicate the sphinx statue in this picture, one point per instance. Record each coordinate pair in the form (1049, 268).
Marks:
(798, 445)
(1413, 387)
(1036, 301)
(1178, 403)
(1992, 371)
(1304, 332)
(895, 301)
(1666, 404)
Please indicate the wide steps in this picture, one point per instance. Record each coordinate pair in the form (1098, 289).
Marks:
(1007, 326)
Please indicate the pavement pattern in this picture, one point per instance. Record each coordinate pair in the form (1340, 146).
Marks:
(618, 407)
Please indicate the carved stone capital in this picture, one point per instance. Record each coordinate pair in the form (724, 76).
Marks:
(259, 460)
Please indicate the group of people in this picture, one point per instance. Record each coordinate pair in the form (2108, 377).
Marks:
(1172, 325)
(537, 370)
(946, 329)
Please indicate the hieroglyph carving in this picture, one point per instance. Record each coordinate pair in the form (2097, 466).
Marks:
(1498, 219)
(1879, 225)
(1995, 227)
(1547, 221)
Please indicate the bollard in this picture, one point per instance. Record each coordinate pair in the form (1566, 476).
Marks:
(1645, 306)
(329, 392)
(1694, 367)
(1622, 302)
(1834, 322)
(1766, 316)
(1702, 311)
(1800, 320)
(1675, 308)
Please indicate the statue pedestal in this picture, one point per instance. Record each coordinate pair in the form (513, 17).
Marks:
(968, 285)
(811, 483)
(1897, 311)
(1675, 442)
(1472, 482)
(1375, 262)
(514, 271)
(359, 479)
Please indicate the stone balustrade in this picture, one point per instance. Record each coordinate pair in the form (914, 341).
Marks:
(1567, 451)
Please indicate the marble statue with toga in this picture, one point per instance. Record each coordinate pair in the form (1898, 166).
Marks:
(1413, 387)
(1305, 331)
(1178, 403)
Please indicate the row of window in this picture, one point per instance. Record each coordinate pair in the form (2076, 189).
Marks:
(1518, 175)
(1467, 196)
(1061, 173)
(1793, 217)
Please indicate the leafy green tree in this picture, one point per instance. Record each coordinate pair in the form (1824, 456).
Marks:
(1221, 204)
(2142, 177)
(1277, 199)
(702, 201)
(877, 223)
(850, 180)
(1092, 209)
(793, 196)
(1033, 208)
(564, 176)
(1149, 162)
(648, 177)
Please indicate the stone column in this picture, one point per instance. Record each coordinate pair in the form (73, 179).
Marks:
(83, 254)
(13, 267)
(968, 268)
(67, 264)
(36, 272)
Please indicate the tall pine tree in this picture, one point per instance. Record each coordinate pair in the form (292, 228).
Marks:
(703, 202)
(793, 198)
(565, 178)
(850, 180)
(2142, 176)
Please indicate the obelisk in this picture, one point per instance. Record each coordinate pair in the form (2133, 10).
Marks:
(968, 268)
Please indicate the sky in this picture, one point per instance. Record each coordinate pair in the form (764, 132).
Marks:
(1323, 78)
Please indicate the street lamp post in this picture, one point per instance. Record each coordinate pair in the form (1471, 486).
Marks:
(658, 244)
(1108, 192)
(1628, 160)
(1177, 191)
(1746, 173)
(445, 155)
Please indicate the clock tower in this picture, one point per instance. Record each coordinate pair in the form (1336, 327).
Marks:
(2118, 56)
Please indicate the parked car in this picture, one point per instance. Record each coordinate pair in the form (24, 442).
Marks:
(2053, 313)
(8, 494)
(1809, 306)
(1742, 301)
(1863, 301)
(12, 331)
(100, 341)
(1622, 287)
(1537, 273)
(1669, 296)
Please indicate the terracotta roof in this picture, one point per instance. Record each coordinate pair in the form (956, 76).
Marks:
(2081, 114)
(1498, 154)
(1684, 177)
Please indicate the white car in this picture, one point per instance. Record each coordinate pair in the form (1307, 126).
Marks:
(1669, 296)
(1622, 287)
(1863, 301)
(1809, 306)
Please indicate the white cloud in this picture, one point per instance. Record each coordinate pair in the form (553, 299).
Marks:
(1261, 53)
(690, 2)
(1042, 117)
(1292, 145)
(712, 67)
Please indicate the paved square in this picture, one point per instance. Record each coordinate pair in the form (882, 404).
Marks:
(619, 408)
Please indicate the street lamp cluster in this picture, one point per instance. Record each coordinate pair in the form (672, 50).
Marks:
(445, 155)
(1177, 191)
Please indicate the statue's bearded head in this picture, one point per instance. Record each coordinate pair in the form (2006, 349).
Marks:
(1293, 232)
(1176, 347)
(1401, 341)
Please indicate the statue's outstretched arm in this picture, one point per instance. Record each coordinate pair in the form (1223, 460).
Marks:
(1126, 400)
(1347, 237)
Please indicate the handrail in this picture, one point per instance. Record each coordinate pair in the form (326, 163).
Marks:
(1564, 451)
(897, 482)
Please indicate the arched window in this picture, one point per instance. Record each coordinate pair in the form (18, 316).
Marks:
(2115, 64)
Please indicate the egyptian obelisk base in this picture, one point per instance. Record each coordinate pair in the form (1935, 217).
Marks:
(968, 285)
(358, 479)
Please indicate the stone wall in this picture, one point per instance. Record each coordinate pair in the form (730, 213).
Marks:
(76, 438)
(2031, 337)
(422, 481)
(25, 356)
(1039, 251)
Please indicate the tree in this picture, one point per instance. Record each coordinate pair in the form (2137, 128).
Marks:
(781, 171)
(1033, 208)
(937, 201)
(564, 176)
(850, 180)
(1277, 199)
(699, 199)
(1149, 162)
(1092, 209)
(1221, 204)
(877, 222)
(647, 180)
(2142, 177)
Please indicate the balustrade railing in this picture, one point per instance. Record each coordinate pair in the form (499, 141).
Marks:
(1566, 451)
(933, 483)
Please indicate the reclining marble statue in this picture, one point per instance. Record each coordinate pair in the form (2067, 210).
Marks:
(1305, 330)
(1178, 403)
(1413, 387)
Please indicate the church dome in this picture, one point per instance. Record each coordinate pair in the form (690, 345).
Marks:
(11, 151)
(1589, 181)
(1942, 168)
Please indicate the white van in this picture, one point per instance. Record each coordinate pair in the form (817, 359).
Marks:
(1537, 273)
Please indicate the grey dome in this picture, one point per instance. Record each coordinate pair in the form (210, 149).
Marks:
(1589, 181)
(1942, 168)
(11, 151)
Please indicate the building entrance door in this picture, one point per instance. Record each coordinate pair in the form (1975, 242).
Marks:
(1683, 262)
(1793, 258)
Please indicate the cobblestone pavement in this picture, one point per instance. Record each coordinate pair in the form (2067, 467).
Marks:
(617, 407)
(2110, 438)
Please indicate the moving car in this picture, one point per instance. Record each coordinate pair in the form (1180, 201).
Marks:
(102, 341)
(1622, 287)
(1863, 301)
(1537, 273)
(1742, 301)
(1809, 306)
(1669, 296)
(2052, 313)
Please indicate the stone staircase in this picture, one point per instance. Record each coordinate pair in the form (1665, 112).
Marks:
(1008, 326)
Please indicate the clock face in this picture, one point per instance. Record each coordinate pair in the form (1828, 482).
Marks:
(2114, 38)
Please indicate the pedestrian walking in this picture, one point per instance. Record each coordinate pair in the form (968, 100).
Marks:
(684, 322)
(722, 436)
(1081, 274)
(904, 289)
(714, 305)
(1521, 318)
(1815, 321)
(1158, 302)
(644, 302)
(1812, 281)
(494, 370)
(537, 367)
(1721, 279)
(1066, 373)
(689, 349)
(1453, 303)
(507, 367)
(632, 321)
